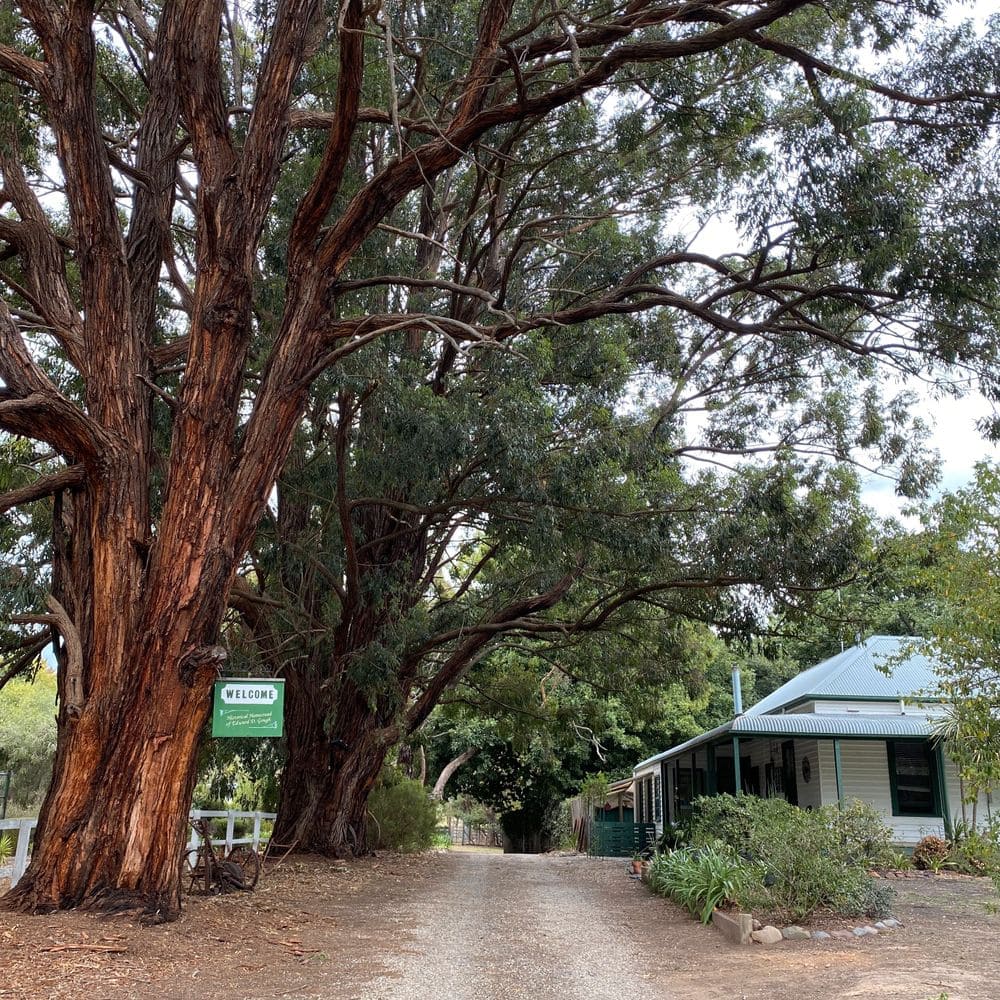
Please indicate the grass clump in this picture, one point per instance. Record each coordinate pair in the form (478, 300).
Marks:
(700, 878)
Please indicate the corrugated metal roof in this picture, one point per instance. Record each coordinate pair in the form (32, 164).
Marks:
(883, 666)
(801, 724)
(807, 724)
(681, 747)
(622, 785)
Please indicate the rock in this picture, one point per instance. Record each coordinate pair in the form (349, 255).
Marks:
(767, 935)
(891, 922)
(843, 935)
(820, 936)
(795, 933)
(881, 926)
(757, 924)
(864, 932)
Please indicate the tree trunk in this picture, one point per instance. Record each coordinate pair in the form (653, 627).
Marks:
(327, 780)
(115, 818)
(114, 822)
(449, 769)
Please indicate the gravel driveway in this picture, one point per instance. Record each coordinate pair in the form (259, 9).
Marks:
(512, 927)
(486, 926)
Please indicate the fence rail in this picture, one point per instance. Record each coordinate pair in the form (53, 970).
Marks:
(620, 840)
(25, 828)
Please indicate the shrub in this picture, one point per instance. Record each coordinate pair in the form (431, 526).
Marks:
(863, 836)
(700, 879)
(6, 848)
(805, 859)
(403, 817)
(977, 852)
(874, 900)
(674, 836)
(931, 853)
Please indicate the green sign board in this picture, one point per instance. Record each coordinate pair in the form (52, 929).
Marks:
(248, 707)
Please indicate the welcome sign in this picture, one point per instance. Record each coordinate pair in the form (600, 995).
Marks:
(248, 707)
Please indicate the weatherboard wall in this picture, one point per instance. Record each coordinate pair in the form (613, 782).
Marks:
(865, 774)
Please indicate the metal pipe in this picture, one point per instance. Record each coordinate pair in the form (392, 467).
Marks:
(737, 692)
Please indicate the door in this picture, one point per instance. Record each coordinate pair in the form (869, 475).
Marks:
(788, 772)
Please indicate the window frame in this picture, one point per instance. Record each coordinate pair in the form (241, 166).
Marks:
(937, 811)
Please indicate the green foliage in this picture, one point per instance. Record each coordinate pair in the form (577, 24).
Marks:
(28, 738)
(862, 834)
(562, 837)
(806, 859)
(594, 789)
(703, 878)
(674, 836)
(238, 774)
(402, 816)
(955, 558)
(6, 848)
(976, 852)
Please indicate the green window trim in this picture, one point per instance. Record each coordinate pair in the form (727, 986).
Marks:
(937, 811)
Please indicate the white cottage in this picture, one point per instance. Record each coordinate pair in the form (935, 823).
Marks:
(858, 725)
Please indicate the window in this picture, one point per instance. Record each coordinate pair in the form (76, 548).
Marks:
(683, 790)
(913, 780)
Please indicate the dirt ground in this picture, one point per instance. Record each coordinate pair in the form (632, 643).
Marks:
(484, 926)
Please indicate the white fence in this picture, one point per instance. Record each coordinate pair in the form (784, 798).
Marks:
(24, 828)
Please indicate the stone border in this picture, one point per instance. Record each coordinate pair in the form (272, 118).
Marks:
(741, 929)
(773, 935)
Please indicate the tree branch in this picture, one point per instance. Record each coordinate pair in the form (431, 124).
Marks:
(326, 183)
(64, 479)
(31, 405)
(24, 68)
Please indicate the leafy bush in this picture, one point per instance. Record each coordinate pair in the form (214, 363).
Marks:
(700, 879)
(6, 848)
(403, 817)
(674, 836)
(862, 833)
(874, 899)
(931, 853)
(976, 852)
(805, 859)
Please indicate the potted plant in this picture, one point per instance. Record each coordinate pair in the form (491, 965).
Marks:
(637, 863)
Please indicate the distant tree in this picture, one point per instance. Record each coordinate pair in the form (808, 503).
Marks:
(28, 737)
(957, 560)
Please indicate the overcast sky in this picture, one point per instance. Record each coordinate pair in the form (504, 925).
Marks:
(957, 441)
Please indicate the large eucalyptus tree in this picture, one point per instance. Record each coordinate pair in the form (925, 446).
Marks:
(182, 262)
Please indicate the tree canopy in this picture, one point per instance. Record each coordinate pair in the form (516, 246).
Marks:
(442, 257)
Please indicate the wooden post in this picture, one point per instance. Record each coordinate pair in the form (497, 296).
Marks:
(737, 777)
(24, 828)
(942, 786)
(713, 783)
(838, 773)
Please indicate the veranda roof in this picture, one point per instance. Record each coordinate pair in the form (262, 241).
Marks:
(807, 725)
